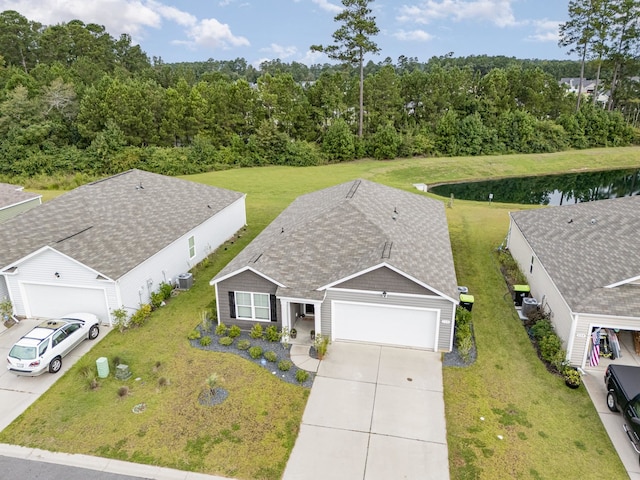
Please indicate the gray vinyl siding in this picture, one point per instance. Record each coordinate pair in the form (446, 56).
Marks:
(7, 213)
(384, 278)
(446, 308)
(246, 281)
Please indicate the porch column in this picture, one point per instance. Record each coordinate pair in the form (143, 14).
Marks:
(317, 318)
(286, 314)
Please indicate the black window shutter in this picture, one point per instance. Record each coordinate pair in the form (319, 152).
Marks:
(232, 304)
(274, 308)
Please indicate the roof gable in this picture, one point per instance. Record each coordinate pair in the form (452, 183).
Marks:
(114, 224)
(11, 195)
(331, 234)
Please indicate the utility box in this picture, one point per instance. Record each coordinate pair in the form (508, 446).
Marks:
(185, 281)
(520, 292)
(103, 367)
(466, 301)
(529, 304)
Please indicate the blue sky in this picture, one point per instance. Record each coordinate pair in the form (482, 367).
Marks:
(258, 30)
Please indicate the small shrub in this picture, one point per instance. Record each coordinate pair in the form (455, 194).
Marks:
(86, 371)
(120, 319)
(165, 289)
(302, 376)
(221, 330)
(549, 347)
(194, 334)
(123, 391)
(205, 321)
(284, 365)
(156, 299)
(212, 382)
(271, 356)
(234, 331)
(205, 341)
(225, 341)
(321, 345)
(243, 344)
(93, 384)
(163, 382)
(272, 334)
(541, 329)
(140, 317)
(255, 352)
(256, 331)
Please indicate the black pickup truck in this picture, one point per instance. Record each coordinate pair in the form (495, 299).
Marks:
(623, 395)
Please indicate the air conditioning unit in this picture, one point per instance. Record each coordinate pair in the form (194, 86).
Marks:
(529, 304)
(185, 281)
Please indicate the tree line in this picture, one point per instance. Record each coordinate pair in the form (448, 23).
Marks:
(73, 99)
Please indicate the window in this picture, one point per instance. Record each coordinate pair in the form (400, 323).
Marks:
(192, 247)
(252, 306)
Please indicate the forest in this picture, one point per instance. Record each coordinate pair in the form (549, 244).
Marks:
(75, 100)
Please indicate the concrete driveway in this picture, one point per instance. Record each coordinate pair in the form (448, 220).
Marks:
(17, 393)
(374, 413)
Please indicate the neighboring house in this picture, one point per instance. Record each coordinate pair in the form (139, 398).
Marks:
(109, 244)
(588, 87)
(366, 262)
(14, 200)
(583, 265)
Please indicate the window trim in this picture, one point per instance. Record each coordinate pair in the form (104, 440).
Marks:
(192, 246)
(253, 306)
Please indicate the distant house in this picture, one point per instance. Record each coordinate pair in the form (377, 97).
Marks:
(588, 88)
(14, 200)
(110, 243)
(359, 262)
(582, 263)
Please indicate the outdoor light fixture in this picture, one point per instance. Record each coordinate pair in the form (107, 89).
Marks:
(57, 275)
(384, 294)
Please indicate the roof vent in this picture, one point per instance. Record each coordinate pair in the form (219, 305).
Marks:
(354, 187)
(255, 258)
(593, 221)
(386, 250)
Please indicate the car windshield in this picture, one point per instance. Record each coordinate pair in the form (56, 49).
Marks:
(23, 353)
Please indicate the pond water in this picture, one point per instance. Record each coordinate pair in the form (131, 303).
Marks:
(562, 189)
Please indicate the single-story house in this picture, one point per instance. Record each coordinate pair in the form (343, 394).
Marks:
(14, 200)
(364, 262)
(109, 244)
(582, 263)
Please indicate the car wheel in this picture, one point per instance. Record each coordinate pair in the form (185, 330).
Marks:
(93, 332)
(55, 365)
(611, 402)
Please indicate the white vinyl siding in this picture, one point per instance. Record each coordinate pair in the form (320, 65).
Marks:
(252, 306)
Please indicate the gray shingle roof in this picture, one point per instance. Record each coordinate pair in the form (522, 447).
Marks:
(12, 195)
(325, 236)
(587, 246)
(113, 225)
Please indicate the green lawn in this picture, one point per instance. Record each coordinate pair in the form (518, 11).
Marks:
(548, 431)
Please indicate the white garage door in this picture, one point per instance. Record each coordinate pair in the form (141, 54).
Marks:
(391, 325)
(54, 301)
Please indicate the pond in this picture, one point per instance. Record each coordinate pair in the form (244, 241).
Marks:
(562, 189)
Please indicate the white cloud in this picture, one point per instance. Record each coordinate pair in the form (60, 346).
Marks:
(280, 51)
(413, 35)
(210, 33)
(312, 58)
(545, 31)
(498, 12)
(327, 6)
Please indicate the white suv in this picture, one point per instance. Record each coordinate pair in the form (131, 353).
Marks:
(44, 346)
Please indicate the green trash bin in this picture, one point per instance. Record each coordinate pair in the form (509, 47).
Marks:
(520, 292)
(466, 301)
(103, 367)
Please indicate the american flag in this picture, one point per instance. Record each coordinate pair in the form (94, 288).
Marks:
(594, 360)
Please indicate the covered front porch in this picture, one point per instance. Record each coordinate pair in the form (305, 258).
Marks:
(302, 319)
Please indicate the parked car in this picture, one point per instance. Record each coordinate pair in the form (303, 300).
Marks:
(44, 347)
(623, 395)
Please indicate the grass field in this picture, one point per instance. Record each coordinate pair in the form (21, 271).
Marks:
(548, 431)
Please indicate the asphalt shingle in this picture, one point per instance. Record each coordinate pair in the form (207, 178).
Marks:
(114, 224)
(587, 247)
(328, 235)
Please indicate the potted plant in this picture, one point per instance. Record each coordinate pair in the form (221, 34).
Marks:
(313, 334)
(572, 377)
(293, 333)
(321, 343)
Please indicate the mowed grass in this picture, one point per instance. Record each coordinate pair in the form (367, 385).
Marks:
(548, 431)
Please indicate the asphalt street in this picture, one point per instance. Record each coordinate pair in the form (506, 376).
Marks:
(31, 470)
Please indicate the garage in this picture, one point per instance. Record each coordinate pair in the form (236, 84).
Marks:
(54, 301)
(385, 324)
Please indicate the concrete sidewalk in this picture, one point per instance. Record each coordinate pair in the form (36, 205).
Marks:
(374, 413)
